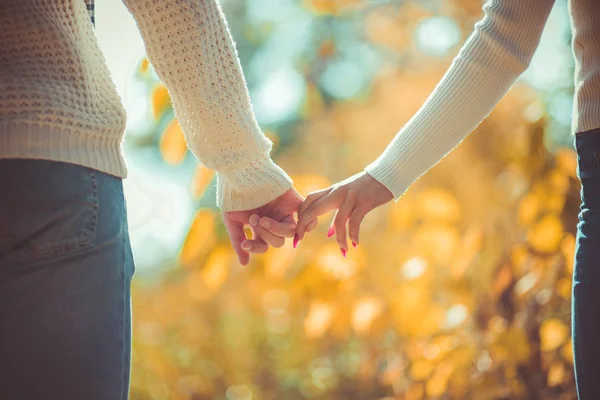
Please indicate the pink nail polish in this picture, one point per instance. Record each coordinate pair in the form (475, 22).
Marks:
(296, 240)
(330, 232)
(354, 244)
(343, 252)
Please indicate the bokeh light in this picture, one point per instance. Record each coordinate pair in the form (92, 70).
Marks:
(461, 290)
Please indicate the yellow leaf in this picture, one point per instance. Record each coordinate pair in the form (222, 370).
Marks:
(421, 369)
(144, 65)
(559, 181)
(436, 386)
(194, 284)
(278, 261)
(470, 247)
(414, 392)
(553, 334)
(556, 374)
(460, 382)
(529, 208)
(563, 288)
(402, 215)
(327, 48)
(215, 270)
(511, 344)
(519, 254)
(329, 7)
(160, 100)
(567, 351)
(202, 178)
(526, 283)
(438, 242)
(567, 161)
(322, 6)
(383, 28)
(318, 319)
(545, 235)
(366, 310)
(438, 382)
(439, 205)
(567, 248)
(555, 202)
(413, 310)
(200, 237)
(462, 357)
(331, 261)
(172, 143)
(313, 103)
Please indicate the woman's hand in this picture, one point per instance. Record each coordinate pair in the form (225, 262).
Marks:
(353, 198)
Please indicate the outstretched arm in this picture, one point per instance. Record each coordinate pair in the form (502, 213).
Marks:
(495, 55)
(499, 50)
(192, 51)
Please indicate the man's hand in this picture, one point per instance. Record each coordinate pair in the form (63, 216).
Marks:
(270, 224)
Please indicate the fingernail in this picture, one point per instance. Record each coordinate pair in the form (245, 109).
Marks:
(330, 232)
(354, 244)
(254, 220)
(296, 238)
(246, 246)
(343, 252)
(265, 223)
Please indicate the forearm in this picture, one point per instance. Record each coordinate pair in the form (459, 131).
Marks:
(192, 51)
(498, 51)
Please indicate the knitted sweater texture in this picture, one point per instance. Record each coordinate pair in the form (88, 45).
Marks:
(58, 101)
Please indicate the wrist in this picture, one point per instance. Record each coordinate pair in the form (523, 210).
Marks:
(390, 176)
(251, 186)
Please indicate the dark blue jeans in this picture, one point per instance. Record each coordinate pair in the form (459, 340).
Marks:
(65, 273)
(586, 277)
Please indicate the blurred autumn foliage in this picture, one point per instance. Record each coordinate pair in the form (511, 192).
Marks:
(461, 290)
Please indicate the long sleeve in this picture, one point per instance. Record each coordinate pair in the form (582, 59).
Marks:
(494, 56)
(191, 49)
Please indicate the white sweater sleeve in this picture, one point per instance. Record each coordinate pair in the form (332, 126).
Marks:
(494, 56)
(191, 49)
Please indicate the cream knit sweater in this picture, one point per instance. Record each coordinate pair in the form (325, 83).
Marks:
(58, 102)
(498, 51)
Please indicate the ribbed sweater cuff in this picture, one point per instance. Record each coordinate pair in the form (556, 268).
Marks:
(252, 186)
(396, 179)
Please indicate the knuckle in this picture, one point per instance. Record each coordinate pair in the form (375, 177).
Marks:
(352, 192)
